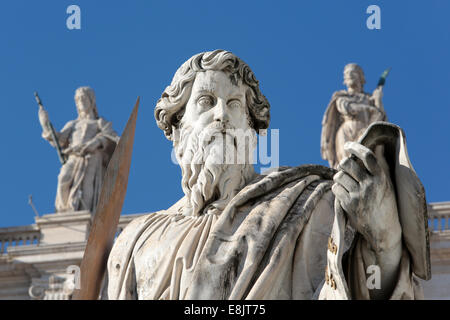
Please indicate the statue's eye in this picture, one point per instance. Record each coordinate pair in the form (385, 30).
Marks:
(234, 104)
(205, 101)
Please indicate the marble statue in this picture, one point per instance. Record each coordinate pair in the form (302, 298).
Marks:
(348, 114)
(307, 232)
(87, 143)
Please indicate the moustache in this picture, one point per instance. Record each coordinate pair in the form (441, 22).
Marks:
(217, 130)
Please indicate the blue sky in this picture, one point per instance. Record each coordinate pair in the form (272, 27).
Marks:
(297, 50)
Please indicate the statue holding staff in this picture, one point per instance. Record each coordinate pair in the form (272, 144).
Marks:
(84, 146)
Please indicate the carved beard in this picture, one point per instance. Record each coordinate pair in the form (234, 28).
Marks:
(208, 180)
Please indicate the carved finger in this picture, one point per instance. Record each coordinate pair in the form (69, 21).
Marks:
(341, 194)
(346, 181)
(352, 168)
(352, 219)
(365, 155)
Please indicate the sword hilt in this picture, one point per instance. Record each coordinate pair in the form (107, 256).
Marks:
(383, 77)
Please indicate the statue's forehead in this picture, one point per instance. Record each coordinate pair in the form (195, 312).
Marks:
(82, 95)
(217, 82)
(351, 69)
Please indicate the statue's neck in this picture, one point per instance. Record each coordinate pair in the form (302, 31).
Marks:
(354, 90)
(87, 116)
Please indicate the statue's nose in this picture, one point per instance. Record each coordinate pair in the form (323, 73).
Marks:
(220, 112)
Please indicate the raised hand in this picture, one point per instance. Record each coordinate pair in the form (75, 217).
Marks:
(364, 190)
(43, 118)
(377, 97)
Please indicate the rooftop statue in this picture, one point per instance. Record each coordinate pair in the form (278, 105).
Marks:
(349, 114)
(85, 146)
(306, 232)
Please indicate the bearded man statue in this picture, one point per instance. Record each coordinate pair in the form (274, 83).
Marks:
(293, 233)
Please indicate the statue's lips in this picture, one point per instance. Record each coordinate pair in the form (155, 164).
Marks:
(222, 135)
(220, 126)
(216, 130)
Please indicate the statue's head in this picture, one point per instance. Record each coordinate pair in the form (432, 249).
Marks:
(171, 107)
(354, 77)
(85, 102)
(212, 111)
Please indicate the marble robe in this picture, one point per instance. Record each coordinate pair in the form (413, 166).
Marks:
(270, 242)
(80, 178)
(345, 119)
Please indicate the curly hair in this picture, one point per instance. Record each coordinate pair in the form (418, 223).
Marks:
(171, 106)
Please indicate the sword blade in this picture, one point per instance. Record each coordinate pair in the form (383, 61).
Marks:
(107, 214)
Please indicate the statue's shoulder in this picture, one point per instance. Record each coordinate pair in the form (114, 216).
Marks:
(136, 226)
(70, 124)
(102, 122)
(329, 114)
(133, 227)
(340, 93)
(127, 238)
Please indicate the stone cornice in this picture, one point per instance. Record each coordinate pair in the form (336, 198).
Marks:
(15, 252)
(441, 207)
(56, 218)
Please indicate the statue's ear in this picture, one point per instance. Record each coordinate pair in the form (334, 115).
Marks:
(176, 118)
(175, 124)
(179, 115)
